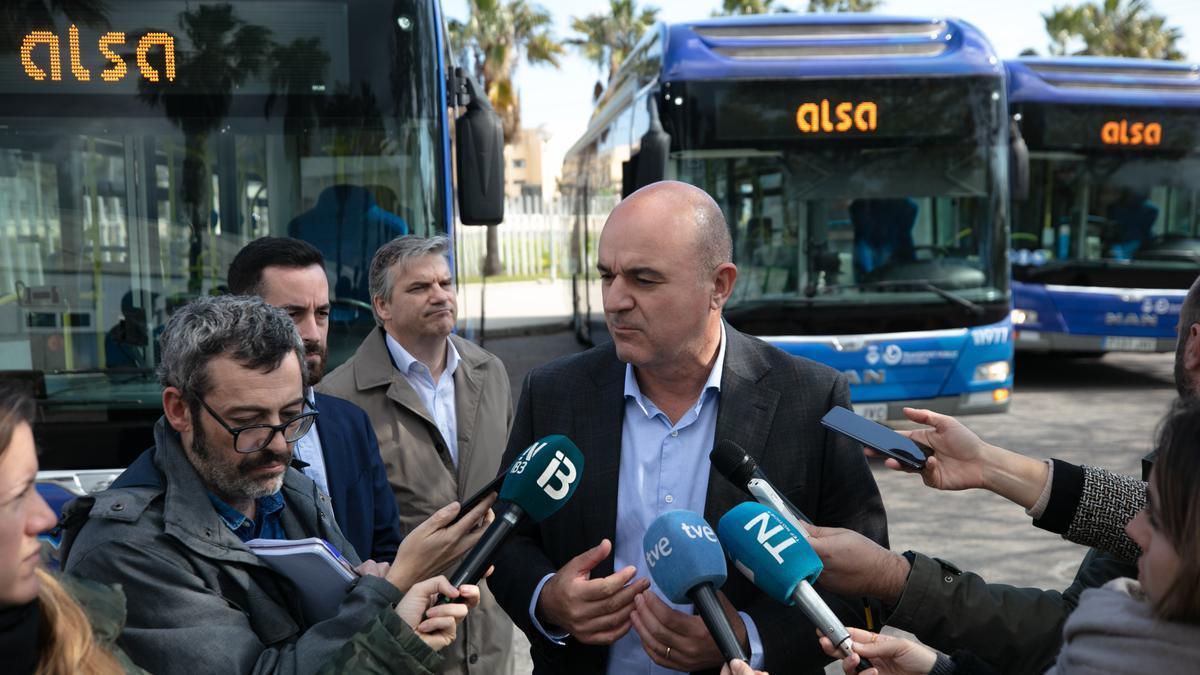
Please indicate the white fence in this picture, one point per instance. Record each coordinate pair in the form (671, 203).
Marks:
(534, 239)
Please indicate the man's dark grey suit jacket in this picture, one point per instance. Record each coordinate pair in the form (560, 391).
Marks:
(770, 404)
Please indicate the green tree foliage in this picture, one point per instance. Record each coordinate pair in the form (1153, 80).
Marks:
(606, 38)
(493, 39)
(1112, 28)
(743, 7)
(815, 6)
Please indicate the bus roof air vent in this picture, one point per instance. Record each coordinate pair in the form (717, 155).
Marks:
(1117, 74)
(809, 39)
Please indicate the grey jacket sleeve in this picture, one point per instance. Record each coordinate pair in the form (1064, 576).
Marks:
(1015, 630)
(176, 624)
(1109, 502)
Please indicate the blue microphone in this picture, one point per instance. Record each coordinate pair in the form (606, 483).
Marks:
(777, 559)
(685, 559)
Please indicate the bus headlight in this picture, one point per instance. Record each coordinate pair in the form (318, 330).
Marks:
(992, 371)
(1021, 317)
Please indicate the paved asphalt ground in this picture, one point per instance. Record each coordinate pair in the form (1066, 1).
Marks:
(1091, 411)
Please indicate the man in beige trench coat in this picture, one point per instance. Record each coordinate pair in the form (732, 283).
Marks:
(441, 408)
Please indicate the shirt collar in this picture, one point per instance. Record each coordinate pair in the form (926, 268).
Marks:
(268, 507)
(712, 383)
(405, 361)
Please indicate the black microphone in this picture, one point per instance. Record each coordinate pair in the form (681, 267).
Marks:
(739, 468)
(539, 482)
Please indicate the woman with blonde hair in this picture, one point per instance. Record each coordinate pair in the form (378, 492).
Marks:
(48, 625)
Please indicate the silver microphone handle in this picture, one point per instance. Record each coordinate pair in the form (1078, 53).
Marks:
(765, 494)
(823, 618)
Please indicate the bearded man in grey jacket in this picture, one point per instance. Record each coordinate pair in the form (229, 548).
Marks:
(172, 529)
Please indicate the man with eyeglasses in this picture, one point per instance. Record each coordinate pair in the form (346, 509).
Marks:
(339, 453)
(172, 529)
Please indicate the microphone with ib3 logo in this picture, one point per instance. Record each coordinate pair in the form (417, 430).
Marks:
(777, 559)
(686, 562)
(538, 483)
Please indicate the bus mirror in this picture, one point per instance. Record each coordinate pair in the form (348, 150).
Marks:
(1018, 164)
(629, 171)
(652, 155)
(479, 141)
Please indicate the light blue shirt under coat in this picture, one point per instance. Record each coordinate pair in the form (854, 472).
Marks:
(437, 397)
(308, 450)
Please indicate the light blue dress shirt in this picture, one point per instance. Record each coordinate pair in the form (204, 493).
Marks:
(664, 467)
(308, 450)
(437, 397)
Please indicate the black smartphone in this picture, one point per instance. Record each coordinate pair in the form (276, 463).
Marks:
(471, 502)
(875, 436)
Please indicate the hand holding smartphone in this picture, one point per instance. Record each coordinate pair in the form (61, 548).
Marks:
(877, 437)
(470, 502)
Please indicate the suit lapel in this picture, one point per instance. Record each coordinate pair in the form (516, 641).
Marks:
(331, 440)
(468, 392)
(744, 417)
(599, 414)
(373, 367)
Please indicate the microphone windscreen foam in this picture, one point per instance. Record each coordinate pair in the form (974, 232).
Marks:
(768, 550)
(731, 461)
(682, 552)
(543, 477)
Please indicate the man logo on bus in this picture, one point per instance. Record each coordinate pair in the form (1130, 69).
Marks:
(813, 118)
(1124, 133)
(117, 67)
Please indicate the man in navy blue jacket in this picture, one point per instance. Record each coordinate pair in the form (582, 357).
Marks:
(340, 453)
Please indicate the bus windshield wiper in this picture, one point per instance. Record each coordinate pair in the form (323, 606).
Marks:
(920, 284)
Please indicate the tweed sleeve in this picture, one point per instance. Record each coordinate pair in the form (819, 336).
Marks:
(1108, 503)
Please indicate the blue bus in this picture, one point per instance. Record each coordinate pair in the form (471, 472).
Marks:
(1105, 239)
(144, 142)
(862, 164)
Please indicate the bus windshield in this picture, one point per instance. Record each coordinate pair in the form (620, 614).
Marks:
(906, 210)
(143, 143)
(1141, 210)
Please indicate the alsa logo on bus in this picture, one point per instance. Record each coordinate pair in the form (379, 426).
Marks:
(813, 118)
(1123, 132)
(36, 65)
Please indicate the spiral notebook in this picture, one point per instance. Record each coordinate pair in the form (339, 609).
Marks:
(317, 569)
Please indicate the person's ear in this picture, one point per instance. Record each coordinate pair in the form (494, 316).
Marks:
(724, 277)
(1191, 349)
(176, 410)
(382, 310)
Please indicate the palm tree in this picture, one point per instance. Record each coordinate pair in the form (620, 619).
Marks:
(736, 7)
(226, 51)
(815, 6)
(494, 37)
(492, 40)
(1112, 28)
(606, 38)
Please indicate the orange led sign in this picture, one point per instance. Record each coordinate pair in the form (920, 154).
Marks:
(1122, 132)
(814, 118)
(41, 56)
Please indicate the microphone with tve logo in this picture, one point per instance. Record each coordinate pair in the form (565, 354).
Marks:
(686, 561)
(775, 557)
(539, 482)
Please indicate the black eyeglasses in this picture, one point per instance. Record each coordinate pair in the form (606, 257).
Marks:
(255, 437)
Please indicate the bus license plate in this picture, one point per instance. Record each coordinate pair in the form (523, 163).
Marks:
(876, 412)
(1130, 344)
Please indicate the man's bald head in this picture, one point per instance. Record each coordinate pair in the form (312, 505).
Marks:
(666, 201)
